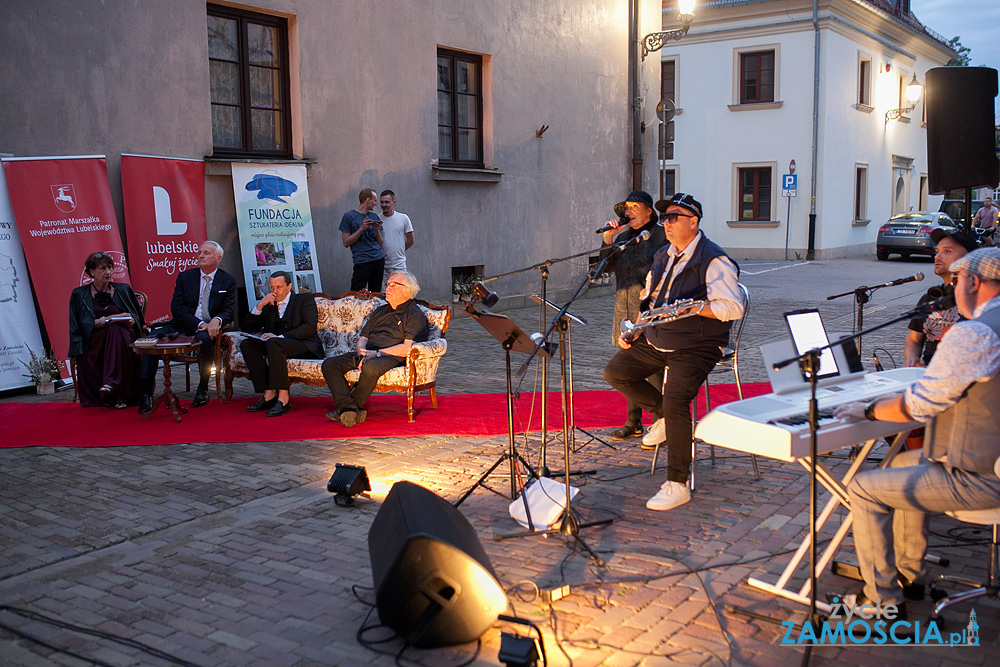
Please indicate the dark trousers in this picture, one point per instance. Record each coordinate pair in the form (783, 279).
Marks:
(334, 369)
(206, 357)
(368, 275)
(267, 360)
(628, 371)
(634, 411)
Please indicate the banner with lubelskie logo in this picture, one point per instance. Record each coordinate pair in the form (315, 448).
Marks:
(275, 225)
(164, 224)
(19, 333)
(64, 212)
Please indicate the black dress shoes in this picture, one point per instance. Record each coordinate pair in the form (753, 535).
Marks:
(262, 404)
(145, 404)
(200, 398)
(279, 409)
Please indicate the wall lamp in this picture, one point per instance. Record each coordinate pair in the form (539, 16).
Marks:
(655, 41)
(913, 90)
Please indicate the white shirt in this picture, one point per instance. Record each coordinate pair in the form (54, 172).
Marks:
(720, 279)
(201, 286)
(394, 230)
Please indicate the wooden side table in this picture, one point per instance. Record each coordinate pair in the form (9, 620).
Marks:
(168, 353)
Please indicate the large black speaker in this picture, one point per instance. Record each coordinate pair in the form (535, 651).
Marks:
(434, 583)
(961, 143)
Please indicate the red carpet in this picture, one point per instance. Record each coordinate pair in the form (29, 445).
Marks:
(68, 425)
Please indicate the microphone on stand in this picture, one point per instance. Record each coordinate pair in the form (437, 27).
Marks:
(607, 228)
(916, 277)
(643, 236)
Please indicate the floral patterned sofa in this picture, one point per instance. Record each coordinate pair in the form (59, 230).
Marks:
(340, 322)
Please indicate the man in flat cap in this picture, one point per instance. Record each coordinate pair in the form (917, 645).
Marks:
(690, 267)
(958, 398)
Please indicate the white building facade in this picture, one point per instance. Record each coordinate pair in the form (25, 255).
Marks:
(744, 80)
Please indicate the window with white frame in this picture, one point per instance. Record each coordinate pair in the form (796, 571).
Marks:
(865, 81)
(756, 77)
(860, 193)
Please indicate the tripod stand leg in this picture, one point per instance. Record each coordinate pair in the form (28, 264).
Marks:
(479, 482)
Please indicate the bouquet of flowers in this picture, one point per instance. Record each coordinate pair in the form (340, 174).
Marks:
(41, 369)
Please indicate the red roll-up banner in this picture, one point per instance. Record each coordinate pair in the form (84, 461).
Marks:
(64, 212)
(164, 224)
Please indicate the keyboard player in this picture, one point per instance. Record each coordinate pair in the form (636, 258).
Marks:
(959, 399)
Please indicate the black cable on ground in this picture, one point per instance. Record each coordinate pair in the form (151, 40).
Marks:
(131, 643)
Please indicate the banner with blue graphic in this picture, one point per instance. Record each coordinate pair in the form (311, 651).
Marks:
(275, 226)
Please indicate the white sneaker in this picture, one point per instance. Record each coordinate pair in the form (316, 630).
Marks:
(657, 433)
(670, 495)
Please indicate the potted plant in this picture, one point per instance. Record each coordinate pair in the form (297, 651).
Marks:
(456, 291)
(42, 371)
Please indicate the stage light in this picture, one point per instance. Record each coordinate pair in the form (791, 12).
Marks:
(481, 292)
(347, 482)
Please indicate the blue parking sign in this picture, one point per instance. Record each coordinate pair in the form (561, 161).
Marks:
(790, 181)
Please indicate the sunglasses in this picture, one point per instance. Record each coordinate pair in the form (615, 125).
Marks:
(395, 284)
(672, 217)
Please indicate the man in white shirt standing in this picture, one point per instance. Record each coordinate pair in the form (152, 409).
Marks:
(397, 235)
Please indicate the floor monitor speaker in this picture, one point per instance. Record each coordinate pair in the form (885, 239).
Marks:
(434, 583)
(961, 139)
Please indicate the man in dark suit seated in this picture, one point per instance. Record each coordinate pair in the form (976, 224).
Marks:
(204, 303)
(286, 323)
(386, 338)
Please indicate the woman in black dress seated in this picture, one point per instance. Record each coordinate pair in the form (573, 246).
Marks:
(104, 320)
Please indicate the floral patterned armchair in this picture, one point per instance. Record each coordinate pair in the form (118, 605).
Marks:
(340, 321)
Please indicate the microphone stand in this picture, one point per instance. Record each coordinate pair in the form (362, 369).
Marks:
(543, 268)
(809, 363)
(569, 524)
(862, 295)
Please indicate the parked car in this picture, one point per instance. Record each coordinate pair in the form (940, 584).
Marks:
(910, 233)
(955, 208)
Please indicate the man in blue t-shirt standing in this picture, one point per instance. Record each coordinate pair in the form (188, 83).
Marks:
(361, 230)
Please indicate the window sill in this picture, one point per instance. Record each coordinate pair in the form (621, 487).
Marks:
(864, 107)
(467, 174)
(756, 224)
(860, 223)
(220, 166)
(756, 106)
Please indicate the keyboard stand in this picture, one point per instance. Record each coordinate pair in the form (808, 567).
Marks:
(838, 491)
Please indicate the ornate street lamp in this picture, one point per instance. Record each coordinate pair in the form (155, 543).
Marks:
(656, 40)
(913, 90)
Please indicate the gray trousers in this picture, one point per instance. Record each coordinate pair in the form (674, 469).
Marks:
(890, 508)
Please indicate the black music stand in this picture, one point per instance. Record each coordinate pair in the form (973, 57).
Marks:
(568, 525)
(510, 337)
(569, 354)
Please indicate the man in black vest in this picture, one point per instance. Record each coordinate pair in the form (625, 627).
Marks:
(286, 323)
(690, 267)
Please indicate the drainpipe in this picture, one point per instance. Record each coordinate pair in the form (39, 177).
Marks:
(811, 248)
(635, 97)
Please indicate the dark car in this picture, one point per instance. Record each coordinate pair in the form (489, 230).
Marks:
(910, 233)
(955, 208)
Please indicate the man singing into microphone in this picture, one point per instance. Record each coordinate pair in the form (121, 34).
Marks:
(690, 267)
(925, 332)
(635, 215)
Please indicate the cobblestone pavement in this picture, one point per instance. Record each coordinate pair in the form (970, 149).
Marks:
(235, 554)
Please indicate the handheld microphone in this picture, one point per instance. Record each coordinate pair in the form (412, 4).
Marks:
(607, 228)
(942, 303)
(916, 277)
(643, 236)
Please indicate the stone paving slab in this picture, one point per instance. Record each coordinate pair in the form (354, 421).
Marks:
(235, 554)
